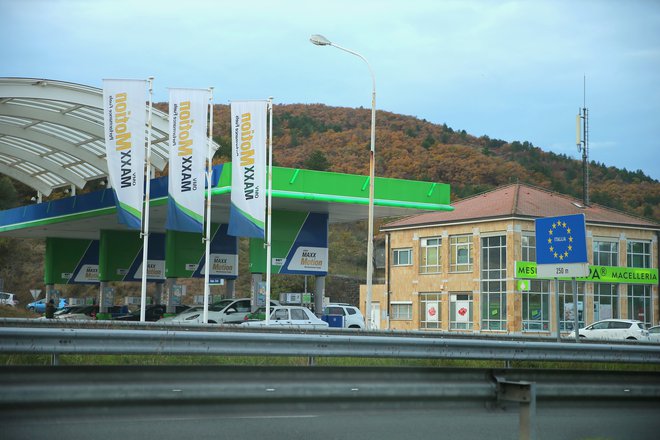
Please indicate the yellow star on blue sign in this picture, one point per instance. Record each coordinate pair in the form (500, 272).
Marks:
(561, 239)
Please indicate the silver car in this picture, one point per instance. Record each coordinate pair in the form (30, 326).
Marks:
(288, 316)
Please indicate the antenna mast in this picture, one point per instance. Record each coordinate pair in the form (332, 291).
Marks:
(582, 141)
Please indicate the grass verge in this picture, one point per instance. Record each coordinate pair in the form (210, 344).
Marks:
(169, 360)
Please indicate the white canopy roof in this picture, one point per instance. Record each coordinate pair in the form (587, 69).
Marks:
(51, 134)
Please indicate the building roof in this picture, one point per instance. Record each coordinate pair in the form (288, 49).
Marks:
(520, 201)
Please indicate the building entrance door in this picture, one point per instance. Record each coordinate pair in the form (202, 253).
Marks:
(375, 316)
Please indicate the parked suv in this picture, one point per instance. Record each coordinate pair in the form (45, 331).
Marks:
(614, 329)
(352, 316)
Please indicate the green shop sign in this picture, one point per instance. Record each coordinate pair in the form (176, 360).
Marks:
(599, 274)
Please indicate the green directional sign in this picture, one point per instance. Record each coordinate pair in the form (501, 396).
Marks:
(523, 285)
(598, 274)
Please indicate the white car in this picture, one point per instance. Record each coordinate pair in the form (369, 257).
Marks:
(8, 299)
(654, 334)
(222, 312)
(614, 330)
(352, 316)
(288, 316)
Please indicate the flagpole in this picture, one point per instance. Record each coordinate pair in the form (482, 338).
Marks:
(207, 239)
(269, 208)
(145, 223)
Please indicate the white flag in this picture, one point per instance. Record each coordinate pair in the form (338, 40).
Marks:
(188, 152)
(124, 113)
(247, 216)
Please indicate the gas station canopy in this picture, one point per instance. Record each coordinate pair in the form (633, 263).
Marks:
(344, 197)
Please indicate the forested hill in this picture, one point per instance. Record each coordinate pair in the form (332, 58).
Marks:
(337, 139)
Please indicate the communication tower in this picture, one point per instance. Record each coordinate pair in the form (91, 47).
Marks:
(582, 140)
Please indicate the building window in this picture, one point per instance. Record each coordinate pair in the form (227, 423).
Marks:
(429, 313)
(430, 255)
(460, 311)
(460, 259)
(402, 257)
(401, 311)
(536, 306)
(639, 303)
(639, 254)
(606, 252)
(639, 297)
(493, 283)
(528, 247)
(606, 301)
(566, 306)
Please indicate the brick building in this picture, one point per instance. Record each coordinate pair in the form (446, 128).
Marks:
(473, 269)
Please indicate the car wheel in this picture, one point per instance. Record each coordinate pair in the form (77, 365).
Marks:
(210, 321)
(583, 336)
(631, 338)
(354, 326)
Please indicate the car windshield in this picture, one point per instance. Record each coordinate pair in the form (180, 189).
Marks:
(220, 305)
(599, 325)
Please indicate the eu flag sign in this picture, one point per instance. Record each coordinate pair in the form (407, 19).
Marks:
(561, 247)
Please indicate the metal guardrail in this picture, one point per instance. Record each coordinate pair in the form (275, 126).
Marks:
(58, 341)
(41, 385)
(98, 389)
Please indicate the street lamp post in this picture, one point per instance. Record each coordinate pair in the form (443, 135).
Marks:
(320, 40)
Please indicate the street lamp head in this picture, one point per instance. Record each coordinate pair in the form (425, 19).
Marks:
(320, 40)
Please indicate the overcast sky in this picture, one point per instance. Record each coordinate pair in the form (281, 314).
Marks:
(511, 70)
